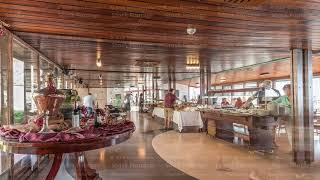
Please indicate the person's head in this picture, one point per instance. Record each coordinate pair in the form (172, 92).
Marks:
(224, 99)
(171, 91)
(267, 84)
(141, 94)
(287, 89)
(89, 94)
(238, 99)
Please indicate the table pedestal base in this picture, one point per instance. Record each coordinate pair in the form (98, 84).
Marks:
(83, 171)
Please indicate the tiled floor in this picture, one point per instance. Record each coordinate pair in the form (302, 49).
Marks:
(187, 156)
(134, 159)
(205, 158)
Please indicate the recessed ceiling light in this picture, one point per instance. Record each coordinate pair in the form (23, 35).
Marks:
(191, 30)
(223, 79)
(99, 64)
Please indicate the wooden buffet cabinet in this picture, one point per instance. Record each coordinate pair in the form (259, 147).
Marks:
(258, 130)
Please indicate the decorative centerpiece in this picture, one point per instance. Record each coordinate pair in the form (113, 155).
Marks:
(48, 100)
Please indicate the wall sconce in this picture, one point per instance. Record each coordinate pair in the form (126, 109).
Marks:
(193, 62)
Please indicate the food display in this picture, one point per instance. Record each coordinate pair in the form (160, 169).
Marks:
(48, 101)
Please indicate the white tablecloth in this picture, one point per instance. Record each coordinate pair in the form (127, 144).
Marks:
(185, 118)
(159, 112)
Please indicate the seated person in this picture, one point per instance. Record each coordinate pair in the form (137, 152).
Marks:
(224, 102)
(238, 103)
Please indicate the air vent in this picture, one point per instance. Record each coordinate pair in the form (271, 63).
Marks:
(252, 2)
(264, 74)
(147, 63)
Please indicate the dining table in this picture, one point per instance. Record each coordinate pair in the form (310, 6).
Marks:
(62, 143)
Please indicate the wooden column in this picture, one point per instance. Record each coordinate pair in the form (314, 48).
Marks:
(153, 84)
(302, 111)
(10, 80)
(156, 81)
(203, 84)
(145, 88)
(169, 78)
(173, 74)
(208, 82)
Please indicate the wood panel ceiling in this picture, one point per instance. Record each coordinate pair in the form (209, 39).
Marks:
(74, 33)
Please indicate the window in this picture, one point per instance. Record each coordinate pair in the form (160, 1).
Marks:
(18, 90)
(279, 85)
(250, 93)
(316, 94)
(238, 94)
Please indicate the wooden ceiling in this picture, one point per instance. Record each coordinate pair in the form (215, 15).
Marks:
(122, 33)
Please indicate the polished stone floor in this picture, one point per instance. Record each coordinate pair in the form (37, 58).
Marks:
(206, 158)
(153, 153)
(134, 159)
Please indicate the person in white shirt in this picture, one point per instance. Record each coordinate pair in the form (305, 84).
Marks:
(89, 102)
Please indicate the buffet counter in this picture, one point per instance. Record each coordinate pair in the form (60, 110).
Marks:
(258, 129)
(158, 112)
(187, 118)
(182, 117)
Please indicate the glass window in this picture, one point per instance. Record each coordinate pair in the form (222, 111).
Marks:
(238, 94)
(44, 70)
(227, 95)
(250, 93)
(18, 90)
(316, 94)
(251, 85)
(194, 93)
(279, 85)
(25, 63)
(218, 87)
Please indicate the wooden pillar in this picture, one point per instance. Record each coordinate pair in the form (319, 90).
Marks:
(10, 80)
(156, 84)
(208, 83)
(302, 111)
(145, 88)
(169, 78)
(203, 84)
(173, 74)
(153, 85)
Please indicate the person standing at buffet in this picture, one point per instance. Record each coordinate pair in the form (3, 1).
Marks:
(285, 101)
(141, 101)
(89, 102)
(169, 102)
(264, 95)
(127, 102)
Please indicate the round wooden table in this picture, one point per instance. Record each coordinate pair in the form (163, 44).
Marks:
(78, 147)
